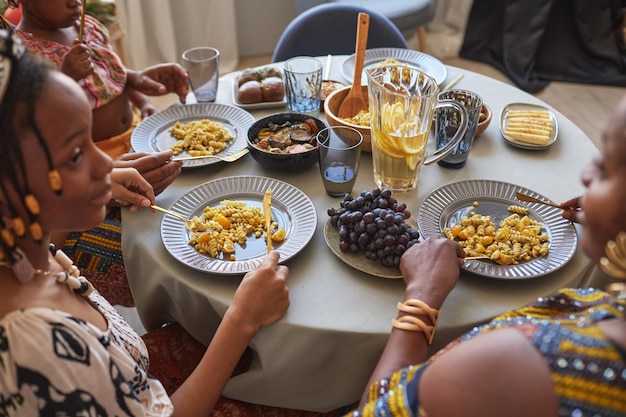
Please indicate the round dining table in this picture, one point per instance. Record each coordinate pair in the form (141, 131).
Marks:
(320, 354)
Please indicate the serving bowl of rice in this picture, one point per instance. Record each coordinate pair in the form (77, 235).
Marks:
(360, 122)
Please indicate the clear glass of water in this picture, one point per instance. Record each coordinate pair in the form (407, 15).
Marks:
(202, 65)
(339, 156)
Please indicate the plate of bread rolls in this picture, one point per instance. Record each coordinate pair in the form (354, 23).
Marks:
(260, 87)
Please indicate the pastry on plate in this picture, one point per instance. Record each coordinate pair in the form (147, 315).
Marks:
(250, 92)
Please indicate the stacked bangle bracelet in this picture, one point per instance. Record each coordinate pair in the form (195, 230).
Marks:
(411, 323)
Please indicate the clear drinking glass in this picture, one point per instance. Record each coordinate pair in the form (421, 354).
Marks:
(303, 84)
(202, 65)
(447, 123)
(339, 156)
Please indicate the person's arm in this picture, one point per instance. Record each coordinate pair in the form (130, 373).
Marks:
(160, 79)
(499, 373)
(157, 168)
(141, 101)
(130, 189)
(261, 299)
(430, 270)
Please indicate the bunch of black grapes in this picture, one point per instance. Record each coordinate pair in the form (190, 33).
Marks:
(375, 223)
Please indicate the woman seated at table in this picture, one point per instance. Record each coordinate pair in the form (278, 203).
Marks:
(564, 355)
(119, 99)
(63, 349)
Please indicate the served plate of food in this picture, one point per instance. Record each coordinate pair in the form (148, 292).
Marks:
(528, 126)
(357, 260)
(259, 88)
(452, 204)
(292, 211)
(414, 59)
(158, 132)
(371, 231)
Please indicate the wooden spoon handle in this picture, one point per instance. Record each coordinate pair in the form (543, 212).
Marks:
(81, 29)
(359, 50)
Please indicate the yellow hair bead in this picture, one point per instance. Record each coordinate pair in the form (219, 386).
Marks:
(32, 204)
(7, 238)
(55, 180)
(35, 231)
(18, 226)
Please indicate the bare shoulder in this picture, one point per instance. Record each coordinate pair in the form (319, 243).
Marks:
(499, 373)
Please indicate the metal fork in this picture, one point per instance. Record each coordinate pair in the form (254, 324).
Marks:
(229, 158)
(527, 198)
(189, 224)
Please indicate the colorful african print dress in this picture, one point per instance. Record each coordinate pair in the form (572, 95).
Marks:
(588, 371)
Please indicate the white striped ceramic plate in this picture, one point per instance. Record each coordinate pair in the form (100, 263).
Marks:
(414, 59)
(291, 209)
(153, 133)
(445, 207)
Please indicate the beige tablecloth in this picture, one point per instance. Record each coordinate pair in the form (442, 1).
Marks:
(319, 356)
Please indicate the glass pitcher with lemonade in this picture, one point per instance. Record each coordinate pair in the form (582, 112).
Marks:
(402, 103)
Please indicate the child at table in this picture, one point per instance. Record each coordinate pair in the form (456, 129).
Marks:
(49, 28)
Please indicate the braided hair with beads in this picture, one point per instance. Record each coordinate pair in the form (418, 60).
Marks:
(19, 92)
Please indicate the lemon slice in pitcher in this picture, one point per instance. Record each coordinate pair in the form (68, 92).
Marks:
(387, 144)
(412, 161)
(393, 116)
(413, 148)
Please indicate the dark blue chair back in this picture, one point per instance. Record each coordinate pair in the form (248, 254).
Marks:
(330, 28)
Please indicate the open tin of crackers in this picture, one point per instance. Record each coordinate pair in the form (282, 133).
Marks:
(528, 126)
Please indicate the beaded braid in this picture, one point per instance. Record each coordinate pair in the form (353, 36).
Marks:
(19, 92)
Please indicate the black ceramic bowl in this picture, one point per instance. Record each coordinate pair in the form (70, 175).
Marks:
(283, 161)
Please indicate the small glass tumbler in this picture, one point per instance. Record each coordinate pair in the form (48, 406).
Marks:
(339, 156)
(303, 84)
(447, 123)
(202, 65)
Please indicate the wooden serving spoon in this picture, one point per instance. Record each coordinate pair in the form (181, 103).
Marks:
(354, 101)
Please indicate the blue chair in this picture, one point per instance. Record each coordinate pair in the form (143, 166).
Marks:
(407, 15)
(330, 28)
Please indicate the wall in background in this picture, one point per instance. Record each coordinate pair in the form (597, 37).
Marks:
(160, 30)
(260, 24)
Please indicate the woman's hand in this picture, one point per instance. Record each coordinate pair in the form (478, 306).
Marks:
(573, 212)
(262, 297)
(156, 168)
(431, 269)
(160, 79)
(77, 62)
(129, 188)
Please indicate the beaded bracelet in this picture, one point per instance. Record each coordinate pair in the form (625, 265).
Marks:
(414, 324)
